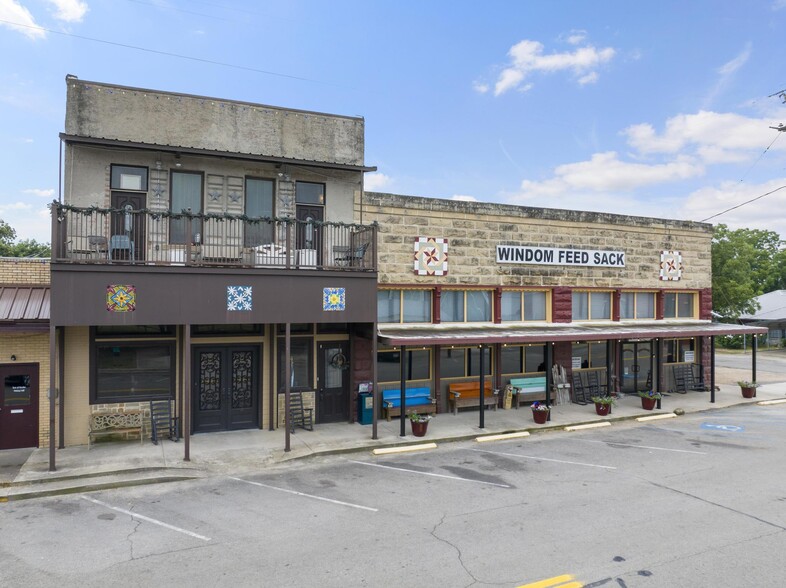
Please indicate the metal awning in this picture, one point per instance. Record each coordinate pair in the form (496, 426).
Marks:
(24, 308)
(486, 334)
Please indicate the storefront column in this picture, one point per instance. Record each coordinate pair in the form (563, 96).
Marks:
(609, 379)
(52, 394)
(549, 378)
(61, 387)
(656, 375)
(712, 369)
(187, 395)
(482, 391)
(287, 382)
(374, 387)
(403, 388)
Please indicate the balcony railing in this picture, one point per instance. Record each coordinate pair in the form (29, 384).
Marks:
(143, 237)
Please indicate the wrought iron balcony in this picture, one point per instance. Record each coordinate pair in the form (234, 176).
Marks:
(144, 237)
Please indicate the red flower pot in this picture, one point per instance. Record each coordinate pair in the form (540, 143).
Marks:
(648, 403)
(419, 429)
(748, 391)
(602, 409)
(540, 416)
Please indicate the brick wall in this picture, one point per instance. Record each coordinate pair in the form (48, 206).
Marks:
(20, 270)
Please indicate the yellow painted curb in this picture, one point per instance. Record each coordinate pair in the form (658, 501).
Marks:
(556, 582)
(404, 448)
(657, 417)
(768, 402)
(502, 436)
(589, 426)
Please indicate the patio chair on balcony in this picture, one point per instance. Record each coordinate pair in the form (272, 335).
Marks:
(121, 243)
(352, 257)
(99, 248)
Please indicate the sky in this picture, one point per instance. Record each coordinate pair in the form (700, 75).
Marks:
(655, 108)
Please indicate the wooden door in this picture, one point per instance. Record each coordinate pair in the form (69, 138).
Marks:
(332, 382)
(128, 224)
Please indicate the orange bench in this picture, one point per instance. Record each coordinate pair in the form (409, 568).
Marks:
(465, 394)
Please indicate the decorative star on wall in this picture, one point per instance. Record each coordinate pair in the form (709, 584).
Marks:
(214, 195)
(234, 196)
(431, 256)
(670, 265)
(159, 191)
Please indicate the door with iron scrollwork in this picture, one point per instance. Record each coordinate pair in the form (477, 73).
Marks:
(226, 388)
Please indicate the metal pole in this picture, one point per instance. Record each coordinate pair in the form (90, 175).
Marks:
(549, 380)
(52, 398)
(287, 384)
(712, 369)
(403, 388)
(187, 395)
(482, 424)
(271, 380)
(656, 375)
(374, 390)
(754, 347)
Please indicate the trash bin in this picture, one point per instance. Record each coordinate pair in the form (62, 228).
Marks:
(365, 408)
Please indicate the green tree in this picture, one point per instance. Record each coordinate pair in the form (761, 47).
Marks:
(742, 268)
(25, 248)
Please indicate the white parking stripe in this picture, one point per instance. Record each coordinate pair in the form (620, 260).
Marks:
(296, 493)
(387, 467)
(136, 515)
(641, 446)
(589, 465)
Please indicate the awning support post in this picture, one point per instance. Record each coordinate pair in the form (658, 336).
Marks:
(482, 390)
(403, 388)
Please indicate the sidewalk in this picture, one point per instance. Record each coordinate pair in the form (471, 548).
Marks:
(24, 473)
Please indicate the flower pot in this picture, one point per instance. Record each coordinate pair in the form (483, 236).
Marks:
(748, 391)
(602, 409)
(419, 429)
(540, 416)
(648, 403)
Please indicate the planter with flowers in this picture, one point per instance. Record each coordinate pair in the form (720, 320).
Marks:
(748, 388)
(603, 404)
(540, 412)
(649, 398)
(419, 423)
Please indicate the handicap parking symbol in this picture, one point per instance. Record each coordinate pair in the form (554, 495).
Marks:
(727, 428)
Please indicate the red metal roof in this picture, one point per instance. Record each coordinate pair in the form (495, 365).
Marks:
(420, 335)
(22, 304)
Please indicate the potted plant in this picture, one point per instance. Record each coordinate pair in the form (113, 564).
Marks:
(649, 398)
(419, 423)
(603, 404)
(748, 388)
(540, 412)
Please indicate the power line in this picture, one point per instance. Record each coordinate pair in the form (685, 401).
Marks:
(168, 54)
(743, 203)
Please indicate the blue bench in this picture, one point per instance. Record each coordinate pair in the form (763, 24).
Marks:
(529, 389)
(417, 400)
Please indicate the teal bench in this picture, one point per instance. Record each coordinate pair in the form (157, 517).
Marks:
(528, 389)
(418, 400)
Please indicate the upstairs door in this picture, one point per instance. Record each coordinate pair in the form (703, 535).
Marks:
(128, 229)
(332, 382)
(226, 388)
(18, 406)
(309, 234)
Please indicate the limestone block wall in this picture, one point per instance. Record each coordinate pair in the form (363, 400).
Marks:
(474, 229)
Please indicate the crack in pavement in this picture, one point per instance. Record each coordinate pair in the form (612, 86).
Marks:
(433, 533)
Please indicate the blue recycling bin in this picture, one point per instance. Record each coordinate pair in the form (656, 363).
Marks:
(365, 408)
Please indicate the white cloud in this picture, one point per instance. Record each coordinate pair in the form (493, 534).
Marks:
(12, 11)
(29, 222)
(605, 172)
(527, 57)
(480, 87)
(576, 37)
(69, 10)
(47, 193)
(375, 181)
(715, 137)
(766, 213)
(726, 74)
(778, 4)
(464, 198)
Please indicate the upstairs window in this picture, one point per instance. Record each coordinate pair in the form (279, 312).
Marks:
(258, 204)
(518, 305)
(591, 306)
(128, 178)
(309, 193)
(465, 306)
(637, 305)
(186, 194)
(404, 306)
(679, 305)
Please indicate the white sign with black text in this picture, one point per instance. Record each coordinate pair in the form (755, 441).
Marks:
(559, 256)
